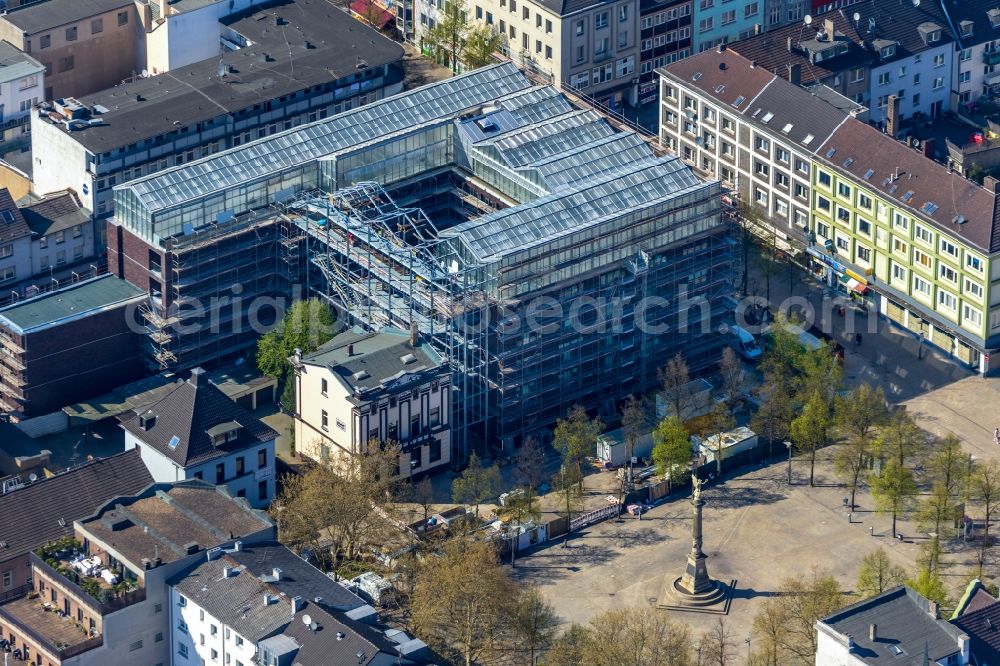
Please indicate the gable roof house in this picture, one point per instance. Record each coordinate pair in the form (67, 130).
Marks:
(196, 431)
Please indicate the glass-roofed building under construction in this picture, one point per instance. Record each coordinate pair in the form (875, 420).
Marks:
(551, 258)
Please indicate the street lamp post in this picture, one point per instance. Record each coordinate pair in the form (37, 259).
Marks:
(788, 445)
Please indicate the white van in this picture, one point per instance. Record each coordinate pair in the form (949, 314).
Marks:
(744, 343)
(805, 338)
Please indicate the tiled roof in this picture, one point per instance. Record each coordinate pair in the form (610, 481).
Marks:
(238, 601)
(376, 357)
(187, 413)
(12, 223)
(55, 213)
(980, 619)
(32, 515)
(923, 185)
(726, 76)
(164, 519)
(976, 12)
(905, 629)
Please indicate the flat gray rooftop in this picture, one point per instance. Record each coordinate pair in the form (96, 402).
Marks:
(315, 43)
(54, 13)
(68, 303)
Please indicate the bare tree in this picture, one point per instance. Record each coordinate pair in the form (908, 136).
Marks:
(731, 372)
(634, 421)
(476, 484)
(986, 490)
(422, 494)
(575, 437)
(534, 624)
(716, 645)
(676, 389)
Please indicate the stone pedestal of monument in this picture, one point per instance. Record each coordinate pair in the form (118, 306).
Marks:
(694, 588)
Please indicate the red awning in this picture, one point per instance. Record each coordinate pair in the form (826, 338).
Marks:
(367, 10)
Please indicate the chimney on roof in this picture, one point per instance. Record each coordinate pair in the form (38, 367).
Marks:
(791, 45)
(238, 546)
(267, 599)
(720, 48)
(795, 73)
(196, 376)
(350, 350)
(932, 609)
(828, 28)
(298, 356)
(296, 604)
(414, 334)
(276, 573)
(992, 184)
(147, 420)
(873, 632)
(928, 147)
(892, 116)
(164, 8)
(191, 548)
(753, 64)
(227, 571)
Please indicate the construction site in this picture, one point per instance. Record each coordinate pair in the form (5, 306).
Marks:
(550, 257)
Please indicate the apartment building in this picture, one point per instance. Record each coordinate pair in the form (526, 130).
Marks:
(84, 45)
(101, 597)
(22, 82)
(757, 133)
(976, 24)
(905, 50)
(591, 45)
(67, 345)
(665, 33)
(263, 604)
(879, 221)
(293, 63)
(360, 388)
(724, 21)
(197, 432)
(45, 510)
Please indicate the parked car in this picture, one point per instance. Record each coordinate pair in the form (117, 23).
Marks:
(636, 509)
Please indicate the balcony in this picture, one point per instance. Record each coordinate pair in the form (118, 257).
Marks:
(28, 617)
(991, 57)
(93, 591)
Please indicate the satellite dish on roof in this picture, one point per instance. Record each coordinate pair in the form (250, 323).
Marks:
(306, 620)
(916, 3)
(145, 73)
(313, 626)
(32, 477)
(857, 16)
(808, 19)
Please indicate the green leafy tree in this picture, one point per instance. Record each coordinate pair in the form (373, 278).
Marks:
(671, 449)
(775, 415)
(481, 43)
(927, 583)
(810, 430)
(575, 438)
(900, 438)
(476, 483)
(305, 326)
(878, 574)
(450, 36)
(893, 491)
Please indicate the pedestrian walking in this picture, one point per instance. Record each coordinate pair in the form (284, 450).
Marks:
(996, 436)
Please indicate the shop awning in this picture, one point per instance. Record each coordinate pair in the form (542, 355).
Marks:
(854, 285)
(368, 11)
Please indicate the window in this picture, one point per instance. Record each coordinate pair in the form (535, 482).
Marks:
(949, 248)
(923, 235)
(622, 38)
(922, 259)
(262, 491)
(760, 196)
(939, 60)
(579, 28)
(824, 179)
(857, 75)
(948, 273)
(900, 248)
(325, 421)
(548, 26)
(801, 192)
(888, 51)
(240, 465)
(525, 12)
(781, 154)
(45, 41)
(622, 13)
(864, 201)
(159, 637)
(901, 222)
(71, 34)
(823, 204)
(706, 4)
(884, 78)
(136, 645)
(215, 655)
(96, 26)
(921, 286)
(864, 254)
(762, 144)
(705, 24)
(864, 227)
(761, 169)
(971, 315)
(822, 229)
(7, 274)
(66, 64)
(802, 166)
(122, 18)
(728, 17)
(341, 425)
(973, 263)
(947, 300)
(843, 215)
(7, 579)
(843, 243)
(780, 208)
(781, 179)
(220, 473)
(182, 650)
(973, 289)
(751, 10)
(262, 459)
(938, 82)
(601, 21)
(843, 191)
(898, 273)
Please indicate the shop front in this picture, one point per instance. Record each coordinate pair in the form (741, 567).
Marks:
(839, 277)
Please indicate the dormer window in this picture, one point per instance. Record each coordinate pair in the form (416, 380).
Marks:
(224, 433)
(934, 37)
(994, 15)
(966, 27)
(888, 51)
